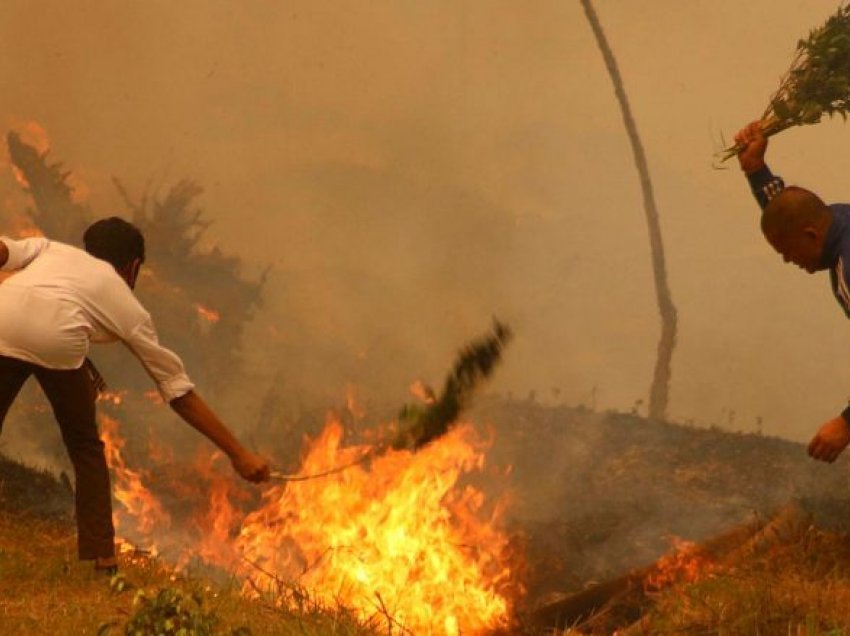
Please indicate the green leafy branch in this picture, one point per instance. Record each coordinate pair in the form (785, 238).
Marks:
(816, 84)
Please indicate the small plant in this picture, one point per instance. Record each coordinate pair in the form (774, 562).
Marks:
(170, 612)
(816, 84)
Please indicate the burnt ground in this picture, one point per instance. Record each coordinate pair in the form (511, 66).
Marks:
(596, 494)
(26, 490)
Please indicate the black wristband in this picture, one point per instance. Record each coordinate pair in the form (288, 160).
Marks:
(846, 415)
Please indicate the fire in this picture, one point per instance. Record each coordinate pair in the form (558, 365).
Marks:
(400, 536)
(143, 512)
(33, 134)
(218, 520)
(353, 404)
(686, 563)
(20, 179)
(206, 314)
(116, 398)
(20, 226)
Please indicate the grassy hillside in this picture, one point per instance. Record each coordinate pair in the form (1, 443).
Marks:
(594, 496)
(45, 590)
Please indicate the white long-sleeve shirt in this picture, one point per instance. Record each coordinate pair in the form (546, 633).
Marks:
(62, 299)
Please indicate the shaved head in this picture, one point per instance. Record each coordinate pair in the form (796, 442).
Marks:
(792, 210)
(795, 223)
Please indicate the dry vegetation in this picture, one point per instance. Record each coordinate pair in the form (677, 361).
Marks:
(614, 488)
(799, 586)
(45, 590)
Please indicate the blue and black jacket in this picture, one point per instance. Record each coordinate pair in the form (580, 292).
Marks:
(836, 249)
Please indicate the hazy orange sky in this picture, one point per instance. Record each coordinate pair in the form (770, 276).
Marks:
(410, 169)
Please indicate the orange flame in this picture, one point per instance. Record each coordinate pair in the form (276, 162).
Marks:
(33, 134)
(116, 398)
(353, 403)
(205, 313)
(144, 510)
(686, 564)
(21, 226)
(218, 520)
(399, 537)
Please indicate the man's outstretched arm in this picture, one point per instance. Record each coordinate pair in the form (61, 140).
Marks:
(193, 410)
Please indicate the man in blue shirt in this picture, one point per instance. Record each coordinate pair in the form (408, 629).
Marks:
(810, 234)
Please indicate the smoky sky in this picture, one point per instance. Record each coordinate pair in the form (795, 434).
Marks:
(411, 169)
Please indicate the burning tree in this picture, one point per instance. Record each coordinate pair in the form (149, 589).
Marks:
(55, 213)
(190, 284)
(185, 286)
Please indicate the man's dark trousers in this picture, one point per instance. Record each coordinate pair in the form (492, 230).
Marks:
(72, 396)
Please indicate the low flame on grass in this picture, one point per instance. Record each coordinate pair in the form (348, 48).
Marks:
(142, 511)
(116, 398)
(687, 563)
(400, 538)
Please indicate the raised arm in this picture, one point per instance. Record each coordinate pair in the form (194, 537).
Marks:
(764, 184)
(193, 410)
(754, 142)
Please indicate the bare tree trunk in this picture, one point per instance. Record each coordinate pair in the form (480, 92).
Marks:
(660, 391)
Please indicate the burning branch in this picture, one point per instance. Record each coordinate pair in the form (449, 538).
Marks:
(474, 364)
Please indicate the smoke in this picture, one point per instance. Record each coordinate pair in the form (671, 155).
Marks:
(599, 494)
(410, 171)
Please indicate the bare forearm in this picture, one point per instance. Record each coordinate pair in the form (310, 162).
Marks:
(194, 411)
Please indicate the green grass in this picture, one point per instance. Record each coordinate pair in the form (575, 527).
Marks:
(45, 590)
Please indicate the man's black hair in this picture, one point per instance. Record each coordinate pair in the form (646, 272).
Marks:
(115, 241)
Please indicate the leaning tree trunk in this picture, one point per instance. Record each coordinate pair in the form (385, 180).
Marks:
(660, 391)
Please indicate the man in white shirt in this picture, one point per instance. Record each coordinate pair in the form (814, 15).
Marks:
(59, 300)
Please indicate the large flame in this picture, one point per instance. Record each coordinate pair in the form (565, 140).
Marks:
(140, 509)
(400, 537)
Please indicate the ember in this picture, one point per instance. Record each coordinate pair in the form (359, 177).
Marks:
(206, 314)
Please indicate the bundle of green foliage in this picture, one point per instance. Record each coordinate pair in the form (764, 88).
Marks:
(816, 84)
(475, 363)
